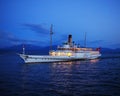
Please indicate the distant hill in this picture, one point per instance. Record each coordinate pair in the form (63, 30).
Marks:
(30, 49)
(108, 50)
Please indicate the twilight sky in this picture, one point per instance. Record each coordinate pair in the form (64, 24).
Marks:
(28, 22)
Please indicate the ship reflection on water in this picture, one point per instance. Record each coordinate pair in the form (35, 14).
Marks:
(94, 61)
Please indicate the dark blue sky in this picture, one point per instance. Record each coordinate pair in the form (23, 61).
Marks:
(28, 21)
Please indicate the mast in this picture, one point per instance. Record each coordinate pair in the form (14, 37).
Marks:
(51, 33)
(85, 40)
(23, 50)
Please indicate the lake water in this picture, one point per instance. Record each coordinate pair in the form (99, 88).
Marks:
(100, 77)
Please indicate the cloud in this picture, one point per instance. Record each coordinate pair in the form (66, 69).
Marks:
(17, 40)
(4, 38)
(9, 39)
(42, 31)
(37, 28)
(5, 35)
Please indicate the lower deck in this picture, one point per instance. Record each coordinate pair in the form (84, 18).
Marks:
(47, 58)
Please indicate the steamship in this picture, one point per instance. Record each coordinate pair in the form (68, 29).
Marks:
(67, 52)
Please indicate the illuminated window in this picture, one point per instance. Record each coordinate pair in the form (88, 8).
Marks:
(58, 53)
(69, 54)
(53, 53)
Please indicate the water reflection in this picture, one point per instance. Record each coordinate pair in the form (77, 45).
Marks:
(60, 77)
(93, 61)
(73, 77)
(24, 79)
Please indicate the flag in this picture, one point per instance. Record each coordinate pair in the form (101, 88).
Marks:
(98, 49)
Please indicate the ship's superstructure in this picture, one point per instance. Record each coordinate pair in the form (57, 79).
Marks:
(71, 49)
(67, 52)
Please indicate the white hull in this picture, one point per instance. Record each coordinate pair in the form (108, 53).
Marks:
(47, 58)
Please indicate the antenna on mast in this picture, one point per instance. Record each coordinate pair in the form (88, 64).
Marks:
(85, 40)
(51, 33)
